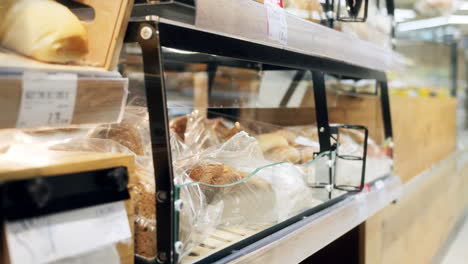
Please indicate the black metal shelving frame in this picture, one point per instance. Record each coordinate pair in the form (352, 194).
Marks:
(35, 197)
(152, 36)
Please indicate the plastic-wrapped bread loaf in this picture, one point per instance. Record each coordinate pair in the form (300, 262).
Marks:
(250, 201)
(42, 29)
(132, 132)
(143, 196)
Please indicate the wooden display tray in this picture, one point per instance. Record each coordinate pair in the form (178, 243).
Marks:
(219, 239)
(107, 31)
(52, 163)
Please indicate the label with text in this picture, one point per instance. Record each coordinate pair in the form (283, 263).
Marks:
(277, 26)
(56, 236)
(47, 99)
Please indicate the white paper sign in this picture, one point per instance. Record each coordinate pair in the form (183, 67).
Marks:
(103, 255)
(276, 19)
(49, 238)
(47, 99)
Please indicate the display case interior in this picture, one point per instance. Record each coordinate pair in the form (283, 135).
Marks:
(246, 146)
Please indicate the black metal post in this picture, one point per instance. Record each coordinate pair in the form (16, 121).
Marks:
(211, 68)
(321, 110)
(386, 115)
(454, 66)
(147, 35)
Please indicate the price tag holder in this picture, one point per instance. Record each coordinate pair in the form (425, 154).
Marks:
(382, 194)
(277, 26)
(54, 237)
(47, 99)
(379, 185)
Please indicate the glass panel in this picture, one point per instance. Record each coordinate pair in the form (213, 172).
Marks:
(243, 139)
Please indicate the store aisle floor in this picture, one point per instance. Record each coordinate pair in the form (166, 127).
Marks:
(457, 252)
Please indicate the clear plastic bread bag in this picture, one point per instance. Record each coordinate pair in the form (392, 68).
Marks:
(253, 190)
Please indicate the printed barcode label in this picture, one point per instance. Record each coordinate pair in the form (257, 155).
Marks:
(277, 26)
(47, 99)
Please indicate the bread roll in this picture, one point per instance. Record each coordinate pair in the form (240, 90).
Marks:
(287, 153)
(287, 134)
(271, 141)
(44, 30)
(209, 173)
(307, 154)
(179, 126)
(222, 131)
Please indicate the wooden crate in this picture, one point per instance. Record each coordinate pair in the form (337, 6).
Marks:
(107, 31)
(424, 131)
(61, 162)
(415, 228)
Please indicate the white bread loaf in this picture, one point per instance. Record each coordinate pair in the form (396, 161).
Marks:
(42, 29)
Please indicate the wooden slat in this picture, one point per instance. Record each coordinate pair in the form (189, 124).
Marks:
(219, 239)
(415, 228)
(424, 133)
(107, 31)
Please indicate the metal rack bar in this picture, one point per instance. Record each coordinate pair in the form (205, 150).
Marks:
(177, 37)
(321, 110)
(21, 199)
(146, 34)
(386, 115)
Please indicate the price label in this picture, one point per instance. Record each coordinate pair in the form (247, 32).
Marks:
(379, 185)
(277, 26)
(47, 99)
(53, 237)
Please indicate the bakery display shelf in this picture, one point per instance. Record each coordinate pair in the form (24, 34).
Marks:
(247, 20)
(156, 37)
